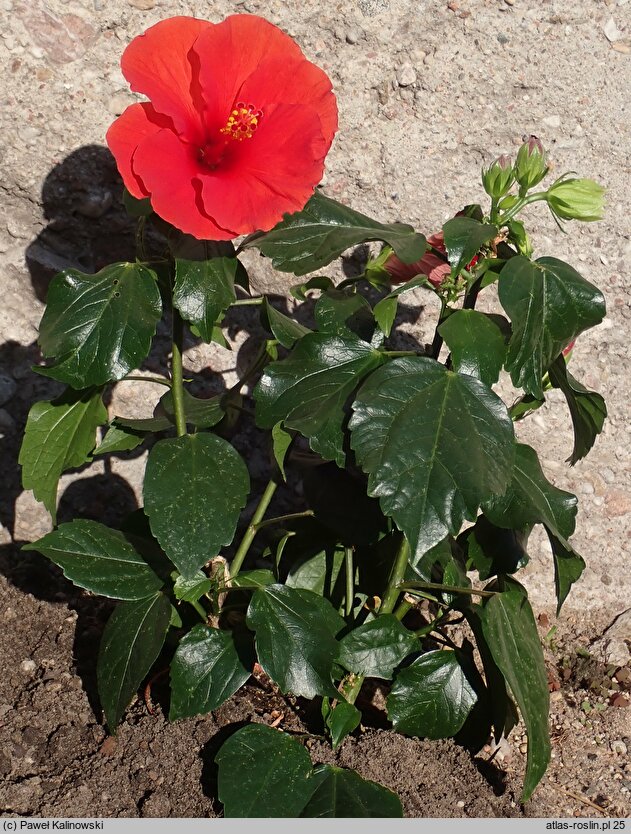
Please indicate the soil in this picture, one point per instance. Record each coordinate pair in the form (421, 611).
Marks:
(428, 92)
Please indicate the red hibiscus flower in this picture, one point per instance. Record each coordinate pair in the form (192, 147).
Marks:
(434, 266)
(236, 130)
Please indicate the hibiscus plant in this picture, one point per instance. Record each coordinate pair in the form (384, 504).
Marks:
(407, 500)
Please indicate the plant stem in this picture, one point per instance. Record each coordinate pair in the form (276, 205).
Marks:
(260, 361)
(288, 517)
(253, 528)
(177, 386)
(395, 353)
(437, 586)
(349, 596)
(396, 577)
(157, 380)
(438, 339)
(524, 201)
(200, 610)
(471, 296)
(402, 609)
(243, 302)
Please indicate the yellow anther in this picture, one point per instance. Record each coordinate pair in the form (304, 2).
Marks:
(242, 122)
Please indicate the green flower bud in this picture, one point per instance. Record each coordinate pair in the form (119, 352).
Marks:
(530, 165)
(576, 199)
(498, 177)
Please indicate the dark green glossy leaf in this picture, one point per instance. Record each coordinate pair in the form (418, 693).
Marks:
(99, 559)
(119, 439)
(309, 389)
(342, 720)
(495, 550)
(431, 564)
(295, 639)
(190, 590)
(144, 424)
(99, 327)
(131, 642)
(511, 634)
(315, 236)
(376, 648)
(568, 567)
(464, 238)
(321, 574)
(203, 290)
(285, 330)
(59, 435)
(385, 311)
(263, 773)
(344, 313)
(319, 282)
(476, 344)
(587, 409)
(532, 499)
(432, 697)
(195, 488)
(435, 445)
(253, 579)
(549, 305)
(207, 668)
(343, 793)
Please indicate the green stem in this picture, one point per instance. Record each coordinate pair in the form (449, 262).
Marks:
(349, 596)
(288, 517)
(522, 203)
(493, 215)
(396, 577)
(260, 361)
(177, 386)
(438, 339)
(200, 610)
(157, 380)
(244, 302)
(402, 609)
(437, 586)
(395, 353)
(253, 528)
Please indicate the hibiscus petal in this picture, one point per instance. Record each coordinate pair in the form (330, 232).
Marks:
(169, 169)
(270, 174)
(158, 64)
(293, 82)
(136, 123)
(229, 52)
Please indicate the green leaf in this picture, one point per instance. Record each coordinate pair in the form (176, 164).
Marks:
(285, 330)
(295, 639)
(144, 424)
(510, 631)
(385, 312)
(464, 237)
(201, 413)
(342, 720)
(309, 389)
(203, 290)
(253, 579)
(495, 550)
(99, 559)
(321, 573)
(208, 667)
(119, 439)
(568, 567)
(99, 327)
(376, 648)
(532, 499)
(549, 305)
(343, 313)
(59, 435)
(195, 488)
(263, 773)
(190, 590)
(131, 642)
(435, 445)
(343, 793)
(476, 344)
(432, 697)
(587, 409)
(281, 441)
(312, 238)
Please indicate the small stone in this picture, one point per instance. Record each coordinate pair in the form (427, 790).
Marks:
(617, 653)
(353, 34)
(143, 5)
(63, 38)
(608, 476)
(612, 33)
(460, 803)
(108, 748)
(618, 746)
(553, 121)
(622, 46)
(8, 387)
(29, 667)
(503, 39)
(523, 748)
(619, 700)
(406, 75)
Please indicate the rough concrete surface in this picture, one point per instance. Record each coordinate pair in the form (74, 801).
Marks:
(428, 92)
